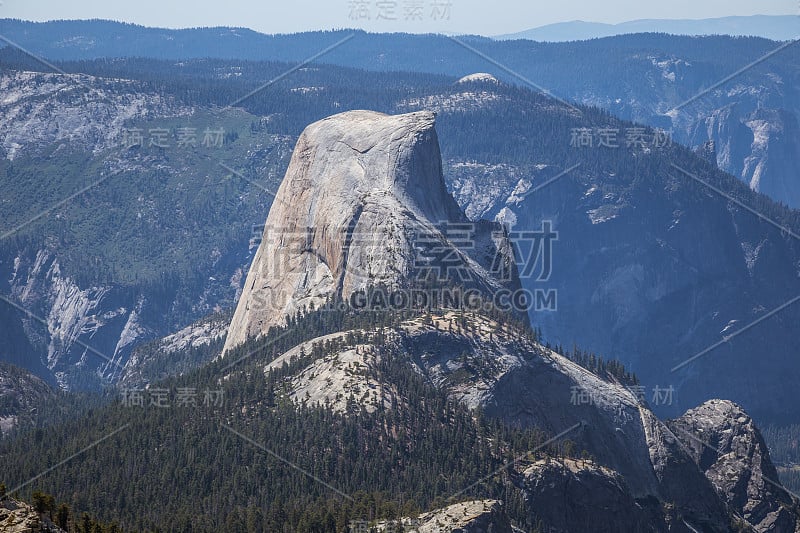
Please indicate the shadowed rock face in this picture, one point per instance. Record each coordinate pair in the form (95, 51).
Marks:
(725, 443)
(360, 189)
(20, 394)
(568, 495)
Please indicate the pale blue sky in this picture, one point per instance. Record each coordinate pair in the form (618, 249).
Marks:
(487, 17)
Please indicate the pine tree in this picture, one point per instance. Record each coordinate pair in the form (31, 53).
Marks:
(63, 516)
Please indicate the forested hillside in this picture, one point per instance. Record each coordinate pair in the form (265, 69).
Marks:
(389, 463)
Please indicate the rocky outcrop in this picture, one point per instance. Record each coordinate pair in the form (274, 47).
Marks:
(21, 393)
(773, 161)
(74, 328)
(20, 517)
(362, 199)
(682, 486)
(166, 356)
(479, 516)
(757, 143)
(475, 516)
(566, 495)
(39, 109)
(725, 443)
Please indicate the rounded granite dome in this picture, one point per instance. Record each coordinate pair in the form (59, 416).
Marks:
(479, 77)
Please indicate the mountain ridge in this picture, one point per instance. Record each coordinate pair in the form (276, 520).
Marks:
(487, 185)
(688, 90)
(775, 27)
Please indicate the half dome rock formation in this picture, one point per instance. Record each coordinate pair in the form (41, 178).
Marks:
(362, 200)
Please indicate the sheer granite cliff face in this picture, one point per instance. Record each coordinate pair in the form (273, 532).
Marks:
(360, 190)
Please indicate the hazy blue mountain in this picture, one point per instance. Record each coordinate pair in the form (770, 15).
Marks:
(775, 27)
(87, 39)
(752, 118)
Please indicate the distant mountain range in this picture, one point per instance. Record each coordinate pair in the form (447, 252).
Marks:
(775, 27)
(678, 83)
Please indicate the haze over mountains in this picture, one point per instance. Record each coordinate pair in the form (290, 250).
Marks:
(775, 27)
(683, 84)
(220, 220)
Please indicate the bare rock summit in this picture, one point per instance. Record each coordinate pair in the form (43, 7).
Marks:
(360, 190)
(728, 447)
